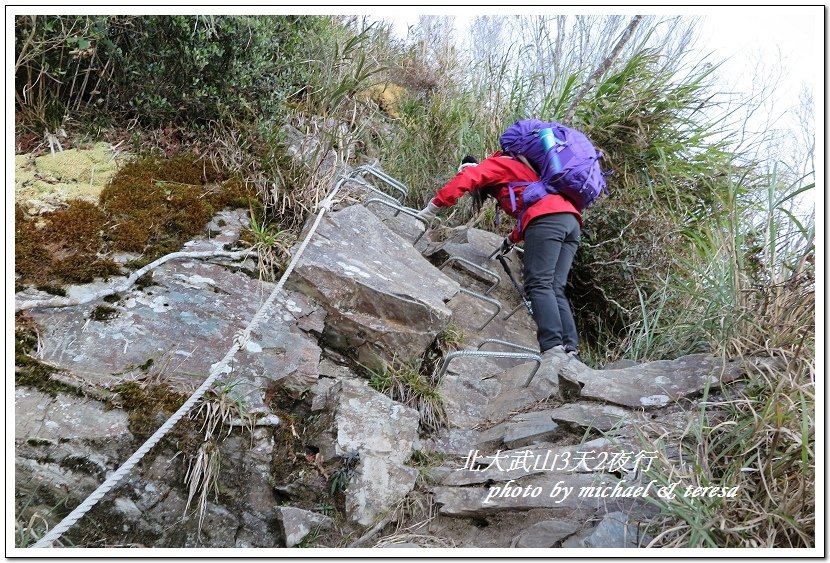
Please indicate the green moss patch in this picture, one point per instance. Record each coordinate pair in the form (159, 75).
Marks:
(148, 406)
(151, 205)
(155, 205)
(49, 180)
(27, 369)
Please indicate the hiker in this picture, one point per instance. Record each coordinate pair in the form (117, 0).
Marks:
(550, 228)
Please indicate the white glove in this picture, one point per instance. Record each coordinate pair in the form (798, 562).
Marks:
(429, 212)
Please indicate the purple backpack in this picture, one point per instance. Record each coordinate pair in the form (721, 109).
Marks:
(564, 158)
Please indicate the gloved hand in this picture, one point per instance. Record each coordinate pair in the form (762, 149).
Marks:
(429, 212)
(506, 246)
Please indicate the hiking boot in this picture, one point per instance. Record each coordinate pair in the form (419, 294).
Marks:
(555, 353)
(572, 352)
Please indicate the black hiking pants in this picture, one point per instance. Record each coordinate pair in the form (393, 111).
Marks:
(551, 242)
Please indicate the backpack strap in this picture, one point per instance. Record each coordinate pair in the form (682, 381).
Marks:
(510, 187)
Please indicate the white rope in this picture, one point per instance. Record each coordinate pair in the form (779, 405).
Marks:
(215, 371)
(124, 286)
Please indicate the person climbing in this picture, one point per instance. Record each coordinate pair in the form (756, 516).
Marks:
(550, 229)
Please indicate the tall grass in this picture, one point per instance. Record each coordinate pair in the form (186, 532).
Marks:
(748, 292)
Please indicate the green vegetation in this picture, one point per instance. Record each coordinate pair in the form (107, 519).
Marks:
(407, 383)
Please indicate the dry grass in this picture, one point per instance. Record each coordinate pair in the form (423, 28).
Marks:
(762, 441)
(219, 407)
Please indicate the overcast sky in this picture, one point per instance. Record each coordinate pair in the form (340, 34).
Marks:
(771, 40)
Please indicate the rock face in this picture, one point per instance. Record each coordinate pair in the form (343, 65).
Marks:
(382, 298)
(522, 430)
(585, 415)
(180, 325)
(64, 443)
(476, 246)
(383, 433)
(615, 530)
(546, 534)
(296, 523)
(653, 384)
(360, 293)
(556, 491)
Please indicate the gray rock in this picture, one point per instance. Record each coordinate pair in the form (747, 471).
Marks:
(384, 433)
(592, 415)
(184, 323)
(521, 430)
(127, 508)
(621, 364)
(538, 459)
(513, 396)
(452, 441)
(382, 297)
(296, 524)
(476, 245)
(555, 491)
(615, 530)
(653, 384)
(404, 225)
(65, 418)
(466, 407)
(224, 228)
(546, 534)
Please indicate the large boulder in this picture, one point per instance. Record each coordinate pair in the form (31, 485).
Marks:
(383, 434)
(382, 298)
(652, 384)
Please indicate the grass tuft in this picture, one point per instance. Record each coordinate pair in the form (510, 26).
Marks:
(404, 382)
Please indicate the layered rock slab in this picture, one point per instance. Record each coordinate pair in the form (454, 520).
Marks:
(383, 434)
(383, 299)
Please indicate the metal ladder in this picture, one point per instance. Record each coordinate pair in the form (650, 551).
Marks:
(356, 177)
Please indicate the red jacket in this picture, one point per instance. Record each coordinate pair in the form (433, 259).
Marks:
(497, 171)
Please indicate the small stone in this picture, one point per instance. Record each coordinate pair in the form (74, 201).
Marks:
(615, 530)
(546, 534)
(297, 523)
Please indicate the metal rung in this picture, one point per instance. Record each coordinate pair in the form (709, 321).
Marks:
(475, 266)
(382, 176)
(405, 210)
(480, 354)
(508, 344)
(513, 312)
(486, 300)
(366, 185)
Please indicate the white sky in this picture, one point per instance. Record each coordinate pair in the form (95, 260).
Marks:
(739, 34)
(759, 47)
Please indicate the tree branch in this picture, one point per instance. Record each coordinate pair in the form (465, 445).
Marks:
(602, 68)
